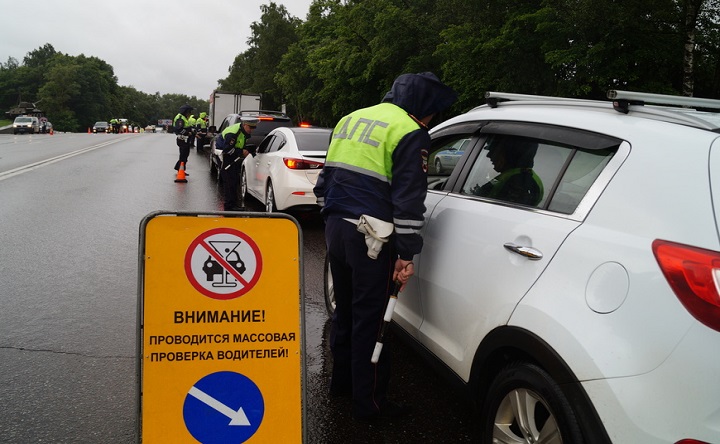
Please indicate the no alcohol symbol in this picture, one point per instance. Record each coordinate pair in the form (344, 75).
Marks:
(223, 263)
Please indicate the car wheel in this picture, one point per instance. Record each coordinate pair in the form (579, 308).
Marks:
(438, 166)
(243, 185)
(270, 206)
(525, 405)
(329, 288)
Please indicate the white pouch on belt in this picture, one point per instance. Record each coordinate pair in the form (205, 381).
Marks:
(376, 231)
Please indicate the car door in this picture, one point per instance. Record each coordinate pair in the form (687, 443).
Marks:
(263, 162)
(484, 250)
(251, 164)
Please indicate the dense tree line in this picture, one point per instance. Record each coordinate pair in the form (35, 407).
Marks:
(76, 91)
(346, 53)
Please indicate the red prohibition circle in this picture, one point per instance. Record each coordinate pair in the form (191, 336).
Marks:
(201, 242)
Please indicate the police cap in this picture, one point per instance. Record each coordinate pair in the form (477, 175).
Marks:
(252, 122)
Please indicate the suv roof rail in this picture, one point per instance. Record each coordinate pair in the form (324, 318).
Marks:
(493, 97)
(262, 111)
(621, 100)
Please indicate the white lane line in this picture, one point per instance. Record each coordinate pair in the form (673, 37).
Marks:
(33, 166)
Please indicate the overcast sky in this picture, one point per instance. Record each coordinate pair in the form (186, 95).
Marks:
(165, 46)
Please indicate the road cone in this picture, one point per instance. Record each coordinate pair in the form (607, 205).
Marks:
(88, 130)
(181, 173)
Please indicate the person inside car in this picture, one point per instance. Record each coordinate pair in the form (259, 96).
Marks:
(517, 182)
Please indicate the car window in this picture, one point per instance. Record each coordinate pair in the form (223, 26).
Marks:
(225, 123)
(315, 141)
(265, 144)
(444, 156)
(277, 143)
(534, 172)
(585, 167)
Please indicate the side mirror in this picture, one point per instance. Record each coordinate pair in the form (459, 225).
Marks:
(251, 148)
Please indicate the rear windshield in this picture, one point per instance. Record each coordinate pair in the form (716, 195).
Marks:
(316, 141)
(265, 126)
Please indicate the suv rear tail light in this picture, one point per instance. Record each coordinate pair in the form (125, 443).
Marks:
(300, 164)
(694, 275)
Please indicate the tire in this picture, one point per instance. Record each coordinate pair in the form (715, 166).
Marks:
(243, 185)
(329, 288)
(270, 206)
(525, 405)
(438, 166)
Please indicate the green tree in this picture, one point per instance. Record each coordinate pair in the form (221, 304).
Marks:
(255, 69)
(57, 93)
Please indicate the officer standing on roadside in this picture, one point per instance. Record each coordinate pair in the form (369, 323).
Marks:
(183, 131)
(376, 166)
(201, 130)
(233, 141)
(192, 122)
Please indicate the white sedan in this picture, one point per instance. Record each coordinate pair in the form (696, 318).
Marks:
(284, 169)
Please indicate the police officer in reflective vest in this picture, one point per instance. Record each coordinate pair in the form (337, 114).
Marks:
(183, 132)
(201, 130)
(233, 141)
(376, 168)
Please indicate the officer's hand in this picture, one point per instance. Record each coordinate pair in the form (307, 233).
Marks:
(403, 271)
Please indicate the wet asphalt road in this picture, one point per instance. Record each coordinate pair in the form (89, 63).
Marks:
(70, 209)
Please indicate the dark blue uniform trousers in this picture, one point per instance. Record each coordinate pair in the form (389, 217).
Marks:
(362, 287)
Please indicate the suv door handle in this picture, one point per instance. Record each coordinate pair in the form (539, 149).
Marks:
(528, 252)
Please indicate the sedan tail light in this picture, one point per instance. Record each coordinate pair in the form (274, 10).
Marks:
(300, 164)
(693, 274)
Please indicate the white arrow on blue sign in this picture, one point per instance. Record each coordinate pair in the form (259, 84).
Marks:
(223, 407)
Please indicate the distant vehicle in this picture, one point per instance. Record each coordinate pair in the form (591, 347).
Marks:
(26, 124)
(101, 127)
(285, 168)
(267, 121)
(223, 103)
(446, 159)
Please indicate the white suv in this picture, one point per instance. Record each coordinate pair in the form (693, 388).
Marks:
(571, 269)
(26, 124)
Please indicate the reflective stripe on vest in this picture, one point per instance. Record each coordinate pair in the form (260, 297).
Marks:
(364, 141)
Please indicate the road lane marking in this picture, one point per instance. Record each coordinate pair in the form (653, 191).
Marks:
(33, 166)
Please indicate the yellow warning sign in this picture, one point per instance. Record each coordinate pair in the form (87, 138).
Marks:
(220, 329)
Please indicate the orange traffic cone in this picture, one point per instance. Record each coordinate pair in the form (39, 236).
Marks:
(88, 130)
(181, 174)
(52, 133)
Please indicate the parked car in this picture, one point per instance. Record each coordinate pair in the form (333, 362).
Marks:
(101, 127)
(267, 121)
(26, 124)
(445, 160)
(282, 172)
(568, 279)
(46, 127)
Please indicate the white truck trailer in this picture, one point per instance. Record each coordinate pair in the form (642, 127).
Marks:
(223, 103)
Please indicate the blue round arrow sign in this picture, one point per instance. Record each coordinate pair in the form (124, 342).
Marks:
(223, 407)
